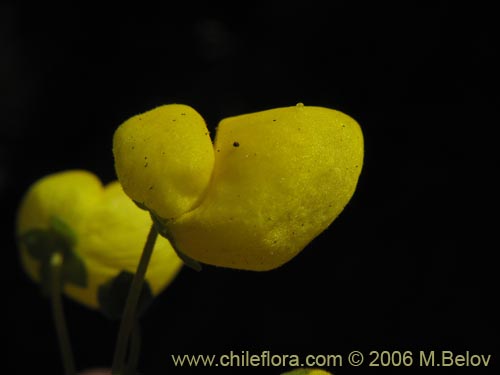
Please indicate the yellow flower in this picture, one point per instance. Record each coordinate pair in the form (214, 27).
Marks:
(279, 178)
(304, 371)
(307, 371)
(99, 230)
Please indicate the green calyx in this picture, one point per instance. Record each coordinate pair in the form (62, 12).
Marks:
(41, 244)
(161, 226)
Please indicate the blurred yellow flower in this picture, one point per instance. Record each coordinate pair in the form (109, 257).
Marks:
(99, 231)
(272, 181)
(307, 371)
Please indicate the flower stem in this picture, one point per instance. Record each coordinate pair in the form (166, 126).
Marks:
(134, 350)
(129, 313)
(56, 262)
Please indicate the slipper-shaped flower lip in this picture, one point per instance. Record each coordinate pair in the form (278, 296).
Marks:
(271, 182)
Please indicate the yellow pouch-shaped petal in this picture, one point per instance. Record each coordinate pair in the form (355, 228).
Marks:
(164, 159)
(109, 231)
(280, 178)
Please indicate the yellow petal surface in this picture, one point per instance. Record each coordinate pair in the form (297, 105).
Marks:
(164, 159)
(280, 178)
(110, 231)
(71, 195)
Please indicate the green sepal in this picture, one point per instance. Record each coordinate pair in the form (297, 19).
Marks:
(41, 244)
(112, 296)
(142, 206)
(162, 228)
(63, 232)
(73, 270)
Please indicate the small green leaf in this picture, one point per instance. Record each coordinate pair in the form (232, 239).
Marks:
(113, 294)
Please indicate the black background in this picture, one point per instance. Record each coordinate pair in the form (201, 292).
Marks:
(408, 265)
